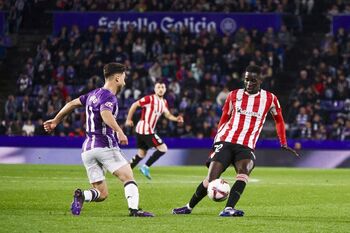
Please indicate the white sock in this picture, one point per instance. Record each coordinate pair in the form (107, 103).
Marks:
(91, 195)
(188, 206)
(132, 194)
(87, 195)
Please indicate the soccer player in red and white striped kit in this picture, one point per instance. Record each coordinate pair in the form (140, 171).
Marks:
(153, 106)
(243, 116)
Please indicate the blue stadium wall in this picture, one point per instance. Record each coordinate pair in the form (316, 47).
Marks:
(66, 150)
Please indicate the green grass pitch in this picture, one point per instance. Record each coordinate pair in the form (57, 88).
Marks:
(36, 198)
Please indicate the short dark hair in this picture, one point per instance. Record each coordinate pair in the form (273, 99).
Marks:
(113, 68)
(159, 81)
(253, 69)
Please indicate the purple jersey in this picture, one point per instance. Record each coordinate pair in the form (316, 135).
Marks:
(98, 134)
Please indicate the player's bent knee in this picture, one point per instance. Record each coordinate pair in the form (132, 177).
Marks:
(125, 177)
(243, 171)
(245, 168)
(162, 148)
(128, 178)
(242, 177)
(142, 153)
(124, 173)
(103, 196)
(205, 183)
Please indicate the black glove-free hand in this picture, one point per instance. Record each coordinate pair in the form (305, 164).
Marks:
(287, 148)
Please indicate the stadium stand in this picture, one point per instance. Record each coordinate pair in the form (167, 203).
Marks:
(185, 6)
(198, 69)
(321, 100)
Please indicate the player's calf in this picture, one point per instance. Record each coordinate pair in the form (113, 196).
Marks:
(155, 156)
(135, 160)
(237, 190)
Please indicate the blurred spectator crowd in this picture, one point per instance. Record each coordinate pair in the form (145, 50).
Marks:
(294, 7)
(199, 70)
(320, 103)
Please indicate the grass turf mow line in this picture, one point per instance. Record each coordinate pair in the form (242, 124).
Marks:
(36, 198)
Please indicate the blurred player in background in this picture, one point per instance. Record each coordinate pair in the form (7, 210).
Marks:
(100, 149)
(242, 119)
(153, 106)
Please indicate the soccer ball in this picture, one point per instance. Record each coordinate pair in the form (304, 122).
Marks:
(218, 190)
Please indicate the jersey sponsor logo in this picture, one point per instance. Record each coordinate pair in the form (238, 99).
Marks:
(248, 113)
(157, 113)
(109, 104)
(93, 99)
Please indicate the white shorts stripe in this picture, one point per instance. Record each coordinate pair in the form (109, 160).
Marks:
(93, 141)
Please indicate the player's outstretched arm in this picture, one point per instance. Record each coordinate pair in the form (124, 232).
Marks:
(171, 117)
(51, 124)
(109, 119)
(281, 132)
(131, 112)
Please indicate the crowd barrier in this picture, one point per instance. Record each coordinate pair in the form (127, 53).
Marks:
(67, 150)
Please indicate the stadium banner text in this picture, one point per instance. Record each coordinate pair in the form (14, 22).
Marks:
(195, 22)
(340, 21)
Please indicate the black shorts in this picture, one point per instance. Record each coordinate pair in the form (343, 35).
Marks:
(228, 153)
(146, 141)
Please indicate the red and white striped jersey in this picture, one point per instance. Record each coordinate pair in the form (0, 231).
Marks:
(244, 115)
(152, 108)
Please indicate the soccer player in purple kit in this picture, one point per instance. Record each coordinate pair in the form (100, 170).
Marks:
(100, 149)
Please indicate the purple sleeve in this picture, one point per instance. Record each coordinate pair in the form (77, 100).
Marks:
(107, 104)
(83, 99)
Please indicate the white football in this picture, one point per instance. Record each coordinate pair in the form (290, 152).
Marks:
(218, 190)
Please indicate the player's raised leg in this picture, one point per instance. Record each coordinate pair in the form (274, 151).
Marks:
(131, 190)
(78, 201)
(243, 169)
(99, 192)
(96, 176)
(141, 153)
(215, 170)
(161, 149)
